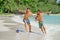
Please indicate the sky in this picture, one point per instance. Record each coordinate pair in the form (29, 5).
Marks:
(58, 0)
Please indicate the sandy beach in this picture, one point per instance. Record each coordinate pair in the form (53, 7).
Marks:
(8, 31)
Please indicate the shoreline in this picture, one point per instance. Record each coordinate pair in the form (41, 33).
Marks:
(50, 14)
(23, 14)
(10, 28)
(54, 14)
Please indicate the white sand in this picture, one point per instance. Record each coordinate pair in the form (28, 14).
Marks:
(2, 28)
(17, 19)
(53, 31)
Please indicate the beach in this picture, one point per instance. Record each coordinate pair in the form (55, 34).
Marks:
(8, 31)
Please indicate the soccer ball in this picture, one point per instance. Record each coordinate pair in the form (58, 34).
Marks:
(17, 30)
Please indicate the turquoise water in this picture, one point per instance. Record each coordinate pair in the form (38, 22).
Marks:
(51, 23)
(49, 19)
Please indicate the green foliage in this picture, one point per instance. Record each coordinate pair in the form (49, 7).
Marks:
(43, 5)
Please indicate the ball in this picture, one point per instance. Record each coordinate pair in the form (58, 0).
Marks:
(17, 30)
